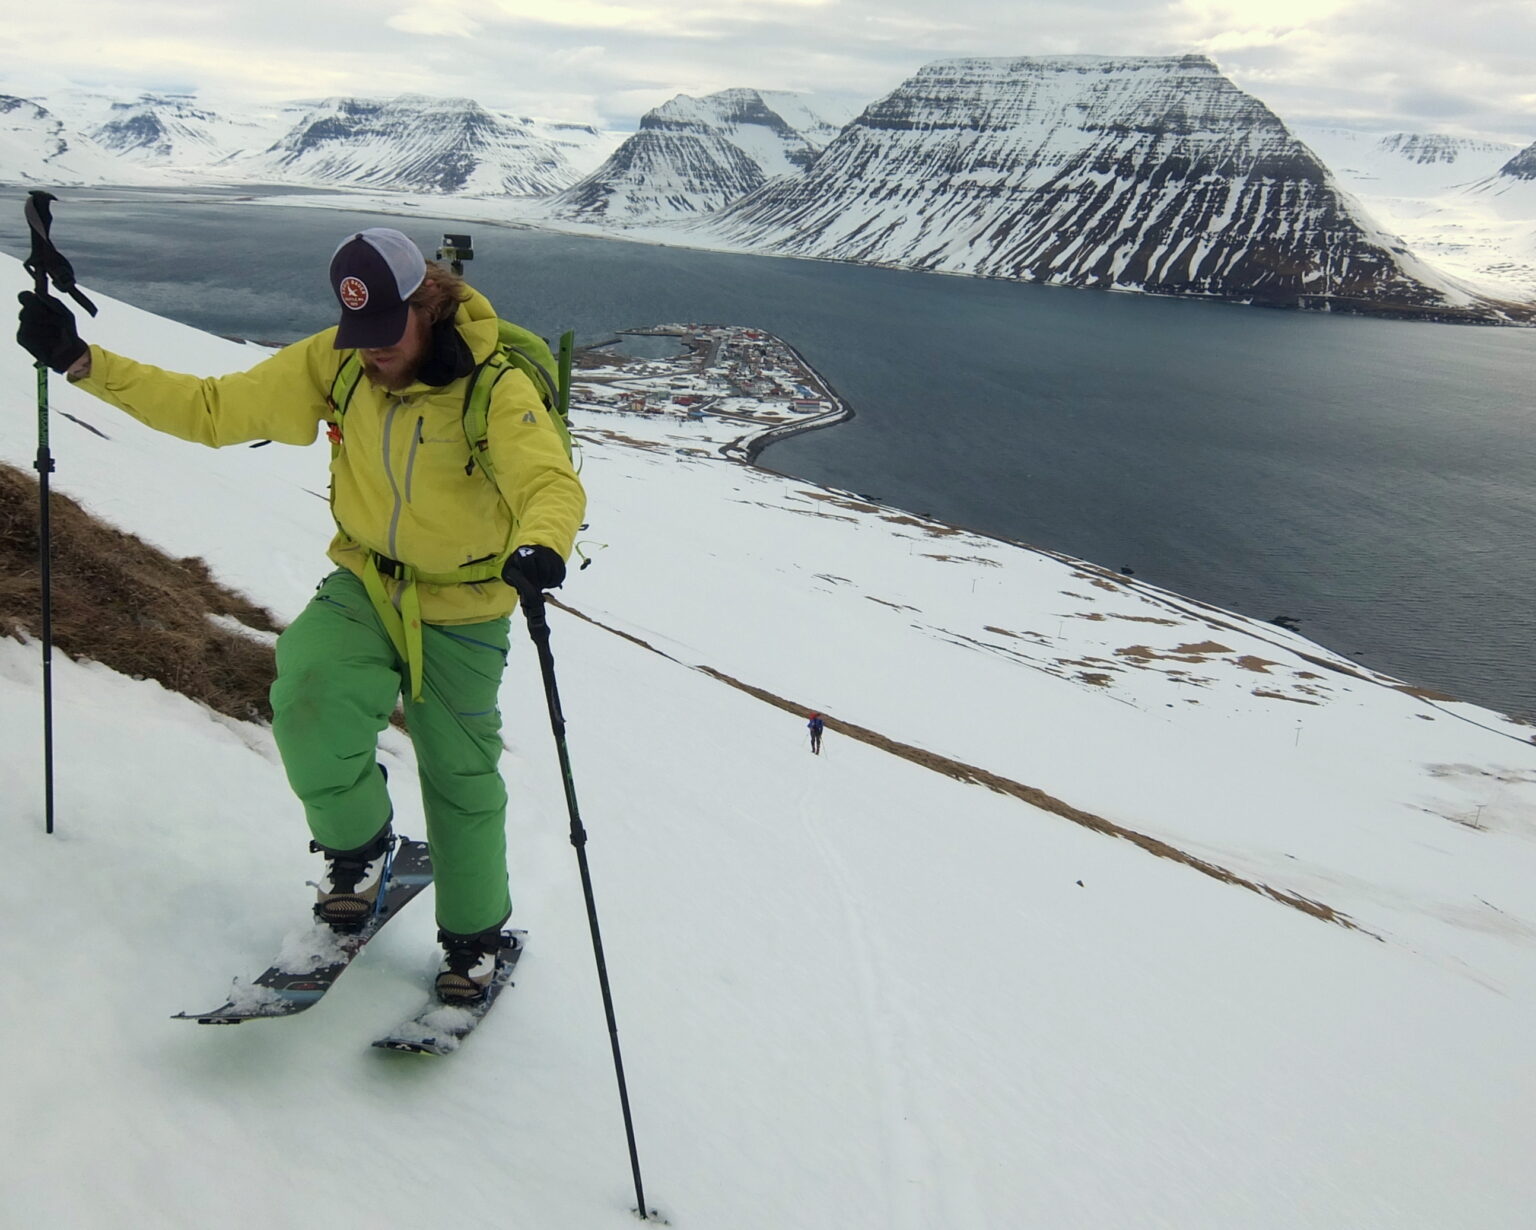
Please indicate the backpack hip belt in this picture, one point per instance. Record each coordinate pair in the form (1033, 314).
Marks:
(402, 622)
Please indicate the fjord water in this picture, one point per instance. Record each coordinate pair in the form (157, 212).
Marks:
(1371, 479)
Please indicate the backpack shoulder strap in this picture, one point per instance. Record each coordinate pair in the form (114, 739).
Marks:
(342, 388)
(477, 401)
(477, 412)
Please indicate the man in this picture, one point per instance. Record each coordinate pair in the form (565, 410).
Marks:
(432, 551)
(815, 725)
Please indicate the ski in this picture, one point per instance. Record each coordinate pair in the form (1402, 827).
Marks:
(312, 960)
(439, 1028)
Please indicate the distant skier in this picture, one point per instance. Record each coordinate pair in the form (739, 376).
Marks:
(424, 542)
(815, 726)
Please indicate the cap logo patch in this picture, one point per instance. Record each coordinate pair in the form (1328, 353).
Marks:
(353, 293)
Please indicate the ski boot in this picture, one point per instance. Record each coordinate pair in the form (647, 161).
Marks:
(348, 896)
(469, 964)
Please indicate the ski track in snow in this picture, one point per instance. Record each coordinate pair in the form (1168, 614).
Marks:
(908, 1152)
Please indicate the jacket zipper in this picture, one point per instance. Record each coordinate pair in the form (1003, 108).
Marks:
(394, 487)
(410, 462)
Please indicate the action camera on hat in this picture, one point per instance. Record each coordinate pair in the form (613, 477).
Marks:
(374, 274)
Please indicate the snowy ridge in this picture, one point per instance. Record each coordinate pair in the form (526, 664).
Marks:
(697, 155)
(857, 990)
(1153, 174)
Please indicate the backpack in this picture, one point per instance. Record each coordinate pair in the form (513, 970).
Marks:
(516, 348)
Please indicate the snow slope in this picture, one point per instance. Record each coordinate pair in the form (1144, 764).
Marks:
(860, 990)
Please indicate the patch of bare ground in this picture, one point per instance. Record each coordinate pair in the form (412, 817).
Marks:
(1295, 700)
(1098, 680)
(1101, 583)
(1205, 648)
(1260, 666)
(1101, 616)
(972, 775)
(1195, 654)
(617, 437)
(962, 559)
(895, 606)
(1418, 693)
(121, 602)
(841, 501)
(933, 529)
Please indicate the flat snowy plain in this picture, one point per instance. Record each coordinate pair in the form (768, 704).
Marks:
(860, 990)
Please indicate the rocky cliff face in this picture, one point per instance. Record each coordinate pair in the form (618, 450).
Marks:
(1522, 166)
(159, 129)
(696, 155)
(1424, 148)
(1151, 174)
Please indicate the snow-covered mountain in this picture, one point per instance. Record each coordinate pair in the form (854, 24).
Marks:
(1103, 909)
(1152, 174)
(1149, 174)
(1461, 204)
(37, 147)
(1522, 166)
(697, 155)
(409, 144)
(426, 145)
(1376, 165)
(179, 130)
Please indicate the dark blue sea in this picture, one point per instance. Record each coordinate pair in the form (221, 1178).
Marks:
(1373, 480)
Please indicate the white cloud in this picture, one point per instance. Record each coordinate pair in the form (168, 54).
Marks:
(1389, 63)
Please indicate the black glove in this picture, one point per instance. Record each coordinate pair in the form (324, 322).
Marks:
(534, 568)
(47, 331)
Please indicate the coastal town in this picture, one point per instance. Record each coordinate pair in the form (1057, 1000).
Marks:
(726, 389)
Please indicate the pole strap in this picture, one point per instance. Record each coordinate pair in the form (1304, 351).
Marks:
(45, 262)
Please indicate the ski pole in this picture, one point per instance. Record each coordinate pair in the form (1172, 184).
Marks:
(532, 602)
(44, 262)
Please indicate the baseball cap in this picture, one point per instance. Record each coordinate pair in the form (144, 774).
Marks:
(373, 274)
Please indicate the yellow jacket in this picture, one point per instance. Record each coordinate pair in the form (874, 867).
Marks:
(399, 481)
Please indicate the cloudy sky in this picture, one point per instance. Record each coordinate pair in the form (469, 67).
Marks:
(1460, 66)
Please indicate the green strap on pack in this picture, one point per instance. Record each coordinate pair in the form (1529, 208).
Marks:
(404, 625)
(516, 348)
(527, 352)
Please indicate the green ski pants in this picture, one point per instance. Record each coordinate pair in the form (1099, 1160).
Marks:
(338, 678)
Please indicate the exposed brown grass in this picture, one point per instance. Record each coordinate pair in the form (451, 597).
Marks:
(973, 775)
(121, 602)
